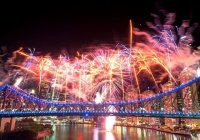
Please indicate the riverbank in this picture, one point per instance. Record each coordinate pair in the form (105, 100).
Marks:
(25, 135)
(166, 131)
(19, 135)
(44, 133)
(181, 133)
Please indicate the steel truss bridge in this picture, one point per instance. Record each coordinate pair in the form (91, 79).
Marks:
(178, 102)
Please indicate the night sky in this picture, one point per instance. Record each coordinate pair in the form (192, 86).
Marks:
(51, 26)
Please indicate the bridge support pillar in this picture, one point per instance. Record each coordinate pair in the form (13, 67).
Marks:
(10, 121)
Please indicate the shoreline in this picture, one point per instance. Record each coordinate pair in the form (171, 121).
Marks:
(182, 133)
(44, 133)
(166, 131)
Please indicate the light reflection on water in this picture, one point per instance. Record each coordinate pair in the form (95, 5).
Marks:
(89, 132)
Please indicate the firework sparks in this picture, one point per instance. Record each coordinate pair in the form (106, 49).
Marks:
(109, 71)
(18, 81)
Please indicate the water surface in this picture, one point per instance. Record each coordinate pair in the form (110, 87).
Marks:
(90, 132)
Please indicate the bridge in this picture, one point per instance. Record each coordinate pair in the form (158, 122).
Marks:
(175, 103)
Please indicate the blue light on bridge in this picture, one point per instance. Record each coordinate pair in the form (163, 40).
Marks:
(86, 114)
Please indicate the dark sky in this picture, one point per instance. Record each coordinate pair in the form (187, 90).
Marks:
(52, 26)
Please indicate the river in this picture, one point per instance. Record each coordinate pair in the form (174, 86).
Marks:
(90, 132)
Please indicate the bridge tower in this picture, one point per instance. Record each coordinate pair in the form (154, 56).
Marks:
(7, 121)
(10, 122)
